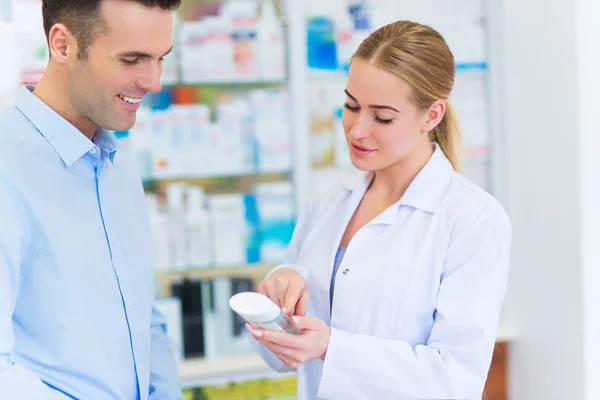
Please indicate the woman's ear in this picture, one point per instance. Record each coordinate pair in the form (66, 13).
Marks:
(434, 115)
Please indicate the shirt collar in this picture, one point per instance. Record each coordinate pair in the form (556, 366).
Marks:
(107, 141)
(68, 142)
(426, 190)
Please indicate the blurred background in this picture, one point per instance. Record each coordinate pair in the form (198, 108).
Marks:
(247, 127)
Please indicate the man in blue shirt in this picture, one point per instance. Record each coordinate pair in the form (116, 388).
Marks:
(76, 283)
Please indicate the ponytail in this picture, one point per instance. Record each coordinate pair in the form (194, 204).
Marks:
(448, 136)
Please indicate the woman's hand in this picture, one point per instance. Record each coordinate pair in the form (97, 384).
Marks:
(288, 289)
(295, 350)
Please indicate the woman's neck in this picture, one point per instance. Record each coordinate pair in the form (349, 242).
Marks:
(391, 182)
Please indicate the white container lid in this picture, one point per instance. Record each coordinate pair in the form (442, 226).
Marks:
(254, 307)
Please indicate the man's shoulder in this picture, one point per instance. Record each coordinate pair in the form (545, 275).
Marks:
(13, 124)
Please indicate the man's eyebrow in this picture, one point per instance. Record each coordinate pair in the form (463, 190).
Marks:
(140, 54)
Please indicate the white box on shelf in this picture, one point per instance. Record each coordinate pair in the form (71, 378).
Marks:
(229, 227)
(207, 52)
(236, 154)
(241, 16)
(177, 226)
(171, 62)
(199, 157)
(29, 28)
(178, 134)
(141, 145)
(158, 137)
(271, 112)
(275, 202)
(224, 332)
(271, 46)
(199, 238)
(159, 228)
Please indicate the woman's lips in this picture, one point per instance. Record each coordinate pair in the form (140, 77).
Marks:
(360, 150)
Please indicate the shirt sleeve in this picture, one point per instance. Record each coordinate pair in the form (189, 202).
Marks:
(16, 381)
(455, 360)
(164, 376)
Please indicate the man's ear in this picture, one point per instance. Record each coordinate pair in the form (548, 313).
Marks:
(434, 115)
(62, 43)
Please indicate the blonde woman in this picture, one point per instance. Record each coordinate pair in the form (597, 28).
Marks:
(395, 281)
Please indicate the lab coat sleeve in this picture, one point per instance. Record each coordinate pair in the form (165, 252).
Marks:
(455, 360)
(164, 376)
(290, 261)
(16, 381)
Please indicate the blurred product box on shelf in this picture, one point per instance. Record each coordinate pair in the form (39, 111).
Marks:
(275, 203)
(251, 134)
(28, 32)
(170, 65)
(202, 323)
(230, 231)
(327, 139)
(335, 29)
(270, 110)
(10, 72)
(207, 52)
(191, 230)
(271, 44)
(238, 45)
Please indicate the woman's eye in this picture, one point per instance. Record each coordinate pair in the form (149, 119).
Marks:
(384, 121)
(350, 108)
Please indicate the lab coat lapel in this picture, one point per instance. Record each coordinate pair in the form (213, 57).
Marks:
(356, 189)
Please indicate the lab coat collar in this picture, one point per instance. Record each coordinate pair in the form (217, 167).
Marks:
(425, 192)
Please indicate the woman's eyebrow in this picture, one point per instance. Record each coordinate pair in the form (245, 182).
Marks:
(375, 106)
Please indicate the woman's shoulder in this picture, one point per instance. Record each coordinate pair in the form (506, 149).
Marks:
(467, 203)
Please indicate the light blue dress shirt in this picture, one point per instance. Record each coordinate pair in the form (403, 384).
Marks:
(76, 283)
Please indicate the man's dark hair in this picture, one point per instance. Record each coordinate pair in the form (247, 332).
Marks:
(83, 19)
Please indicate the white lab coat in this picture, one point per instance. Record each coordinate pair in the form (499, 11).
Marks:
(416, 314)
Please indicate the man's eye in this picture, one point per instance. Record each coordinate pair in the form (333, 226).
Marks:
(130, 61)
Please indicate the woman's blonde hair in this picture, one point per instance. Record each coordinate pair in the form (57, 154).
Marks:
(420, 56)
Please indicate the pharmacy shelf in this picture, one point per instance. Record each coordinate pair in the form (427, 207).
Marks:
(249, 270)
(254, 272)
(225, 370)
(227, 83)
(216, 175)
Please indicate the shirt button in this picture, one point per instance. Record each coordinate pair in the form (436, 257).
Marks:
(93, 150)
(141, 368)
(112, 238)
(346, 272)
